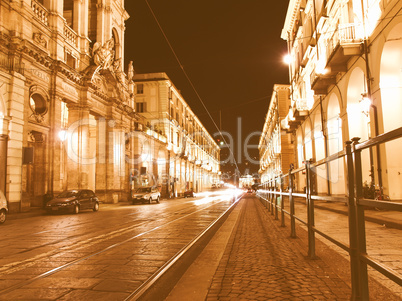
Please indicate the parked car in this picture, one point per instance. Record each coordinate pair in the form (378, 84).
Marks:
(146, 195)
(73, 201)
(189, 193)
(3, 208)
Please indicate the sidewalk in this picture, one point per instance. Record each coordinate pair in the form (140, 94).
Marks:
(252, 258)
(391, 219)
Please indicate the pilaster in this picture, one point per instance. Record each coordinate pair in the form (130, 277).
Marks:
(77, 143)
(15, 105)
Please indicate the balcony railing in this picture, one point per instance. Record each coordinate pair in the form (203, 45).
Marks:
(41, 13)
(350, 33)
(70, 35)
(347, 34)
(302, 105)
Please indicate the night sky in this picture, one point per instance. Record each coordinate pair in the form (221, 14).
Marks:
(231, 52)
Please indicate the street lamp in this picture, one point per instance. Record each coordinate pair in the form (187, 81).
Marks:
(62, 135)
(365, 104)
(287, 59)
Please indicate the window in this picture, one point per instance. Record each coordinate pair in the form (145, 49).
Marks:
(68, 8)
(140, 89)
(70, 60)
(141, 107)
(64, 115)
(38, 104)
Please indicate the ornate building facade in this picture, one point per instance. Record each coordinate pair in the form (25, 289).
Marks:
(67, 110)
(345, 82)
(191, 155)
(276, 146)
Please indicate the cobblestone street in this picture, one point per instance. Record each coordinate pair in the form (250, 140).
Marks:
(260, 263)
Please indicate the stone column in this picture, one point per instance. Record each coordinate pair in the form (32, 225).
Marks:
(56, 144)
(56, 22)
(80, 24)
(77, 144)
(115, 161)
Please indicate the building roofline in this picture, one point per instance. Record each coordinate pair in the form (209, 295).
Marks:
(291, 17)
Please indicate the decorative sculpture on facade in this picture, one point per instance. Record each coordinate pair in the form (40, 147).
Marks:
(103, 54)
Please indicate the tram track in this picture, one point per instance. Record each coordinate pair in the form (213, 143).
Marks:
(169, 219)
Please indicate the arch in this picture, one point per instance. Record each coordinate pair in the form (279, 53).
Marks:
(334, 125)
(308, 140)
(391, 107)
(117, 44)
(335, 144)
(301, 181)
(391, 80)
(319, 148)
(358, 121)
(300, 146)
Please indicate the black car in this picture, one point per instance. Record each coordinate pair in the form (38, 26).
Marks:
(189, 193)
(73, 201)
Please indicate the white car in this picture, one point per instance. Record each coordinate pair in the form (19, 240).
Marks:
(3, 208)
(146, 195)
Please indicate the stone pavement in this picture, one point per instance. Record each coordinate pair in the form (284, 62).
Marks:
(260, 263)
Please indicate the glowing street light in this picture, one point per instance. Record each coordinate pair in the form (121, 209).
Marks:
(365, 104)
(62, 135)
(287, 59)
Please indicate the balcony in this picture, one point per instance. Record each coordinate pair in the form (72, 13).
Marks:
(302, 107)
(345, 43)
(292, 121)
(71, 35)
(320, 82)
(40, 12)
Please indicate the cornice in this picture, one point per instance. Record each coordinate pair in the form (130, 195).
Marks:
(291, 17)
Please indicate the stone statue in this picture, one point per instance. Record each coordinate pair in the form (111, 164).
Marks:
(104, 54)
(130, 71)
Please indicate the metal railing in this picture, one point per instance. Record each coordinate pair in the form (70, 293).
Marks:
(272, 195)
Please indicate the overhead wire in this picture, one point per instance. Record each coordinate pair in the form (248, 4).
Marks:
(190, 82)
